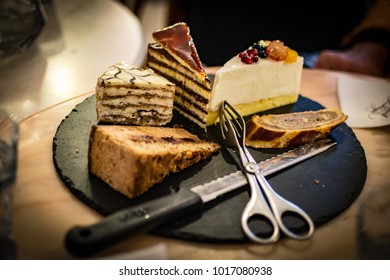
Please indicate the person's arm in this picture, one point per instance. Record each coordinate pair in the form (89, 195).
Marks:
(363, 57)
(366, 47)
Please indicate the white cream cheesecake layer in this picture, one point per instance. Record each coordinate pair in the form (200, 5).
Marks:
(241, 83)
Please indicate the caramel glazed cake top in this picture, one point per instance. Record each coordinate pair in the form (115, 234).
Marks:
(176, 39)
(132, 95)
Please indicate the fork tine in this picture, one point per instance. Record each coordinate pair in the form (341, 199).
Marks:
(228, 130)
(227, 122)
(236, 116)
(240, 130)
(235, 120)
(222, 122)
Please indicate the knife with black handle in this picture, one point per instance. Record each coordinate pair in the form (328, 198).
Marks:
(90, 239)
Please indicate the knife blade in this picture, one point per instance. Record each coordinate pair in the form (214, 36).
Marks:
(220, 186)
(143, 217)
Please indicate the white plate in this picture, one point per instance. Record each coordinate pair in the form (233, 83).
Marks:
(366, 100)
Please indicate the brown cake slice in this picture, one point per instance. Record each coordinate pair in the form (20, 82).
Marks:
(132, 159)
(292, 129)
(174, 56)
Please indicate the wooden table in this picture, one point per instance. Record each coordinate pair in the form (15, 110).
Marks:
(79, 42)
(44, 209)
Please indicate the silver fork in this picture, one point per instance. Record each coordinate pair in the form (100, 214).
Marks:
(264, 203)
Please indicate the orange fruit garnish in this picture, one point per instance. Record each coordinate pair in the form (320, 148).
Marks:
(277, 50)
(292, 56)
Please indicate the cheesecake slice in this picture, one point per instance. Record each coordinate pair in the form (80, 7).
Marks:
(265, 76)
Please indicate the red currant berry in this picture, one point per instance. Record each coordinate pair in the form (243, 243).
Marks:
(252, 52)
(242, 54)
(246, 60)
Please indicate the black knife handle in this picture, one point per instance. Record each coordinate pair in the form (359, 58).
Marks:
(87, 240)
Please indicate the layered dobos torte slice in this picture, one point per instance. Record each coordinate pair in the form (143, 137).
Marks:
(292, 129)
(127, 94)
(132, 159)
(174, 56)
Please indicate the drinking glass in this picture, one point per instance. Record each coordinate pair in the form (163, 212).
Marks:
(9, 132)
(21, 21)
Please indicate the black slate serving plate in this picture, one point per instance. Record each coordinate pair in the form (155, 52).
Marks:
(324, 186)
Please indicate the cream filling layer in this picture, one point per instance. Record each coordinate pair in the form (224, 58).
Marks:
(136, 119)
(130, 111)
(136, 101)
(240, 83)
(124, 91)
(180, 74)
(190, 117)
(190, 107)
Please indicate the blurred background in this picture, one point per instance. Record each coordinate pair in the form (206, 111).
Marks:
(153, 14)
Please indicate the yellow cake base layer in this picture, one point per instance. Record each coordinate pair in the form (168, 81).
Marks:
(250, 108)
